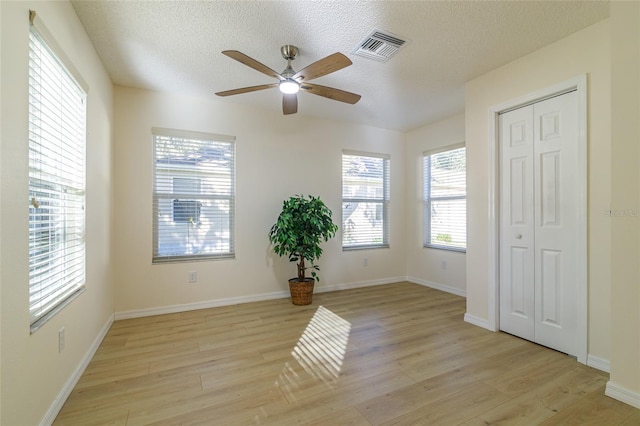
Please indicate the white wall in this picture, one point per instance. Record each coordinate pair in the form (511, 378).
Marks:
(277, 156)
(625, 201)
(33, 373)
(587, 51)
(424, 265)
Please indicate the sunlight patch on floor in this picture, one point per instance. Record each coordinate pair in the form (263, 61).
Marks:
(318, 354)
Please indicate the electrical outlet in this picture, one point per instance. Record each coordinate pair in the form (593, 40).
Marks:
(193, 277)
(365, 261)
(61, 340)
(444, 264)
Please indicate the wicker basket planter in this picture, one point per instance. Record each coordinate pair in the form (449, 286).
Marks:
(301, 292)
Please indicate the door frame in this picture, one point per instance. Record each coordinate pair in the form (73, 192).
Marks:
(579, 84)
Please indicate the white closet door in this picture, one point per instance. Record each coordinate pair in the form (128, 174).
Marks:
(539, 217)
(517, 296)
(556, 230)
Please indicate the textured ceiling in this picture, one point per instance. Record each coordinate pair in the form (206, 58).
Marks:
(174, 46)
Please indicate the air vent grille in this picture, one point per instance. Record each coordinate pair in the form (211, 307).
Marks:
(379, 45)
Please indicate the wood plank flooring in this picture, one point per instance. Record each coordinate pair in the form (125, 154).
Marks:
(397, 354)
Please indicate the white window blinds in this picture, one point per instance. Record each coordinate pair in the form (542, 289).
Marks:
(57, 139)
(193, 196)
(445, 200)
(365, 200)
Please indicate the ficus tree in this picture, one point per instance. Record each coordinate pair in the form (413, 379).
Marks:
(303, 224)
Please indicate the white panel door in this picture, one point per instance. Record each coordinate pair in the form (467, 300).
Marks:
(517, 296)
(539, 216)
(556, 221)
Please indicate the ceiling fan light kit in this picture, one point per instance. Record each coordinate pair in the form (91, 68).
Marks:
(289, 86)
(290, 81)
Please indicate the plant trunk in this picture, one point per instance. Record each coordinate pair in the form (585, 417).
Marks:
(301, 269)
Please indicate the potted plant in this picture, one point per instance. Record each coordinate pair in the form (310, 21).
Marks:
(302, 225)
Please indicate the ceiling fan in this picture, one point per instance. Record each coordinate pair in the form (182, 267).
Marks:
(290, 81)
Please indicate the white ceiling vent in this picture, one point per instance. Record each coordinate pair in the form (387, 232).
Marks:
(379, 45)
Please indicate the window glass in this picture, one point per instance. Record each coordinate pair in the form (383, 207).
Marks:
(194, 196)
(57, 141)
(445, 200)
(365, 200)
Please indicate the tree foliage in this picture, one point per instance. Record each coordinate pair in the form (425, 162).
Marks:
(302, 225)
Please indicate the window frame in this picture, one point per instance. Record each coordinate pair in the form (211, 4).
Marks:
(383, 201)
(197, 197)
(427, 200)
(69, 190)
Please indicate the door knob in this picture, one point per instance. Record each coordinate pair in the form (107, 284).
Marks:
(518, 236)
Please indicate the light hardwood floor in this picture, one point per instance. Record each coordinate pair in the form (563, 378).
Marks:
(392, 354)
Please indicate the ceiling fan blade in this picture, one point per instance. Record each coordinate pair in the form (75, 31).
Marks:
(246, 89)
(289, 103)
(250, 62)
(324, 66)
(331, 93)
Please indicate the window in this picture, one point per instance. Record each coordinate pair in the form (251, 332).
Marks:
(193, 196)
(57, 141)
(365, 200)
(445, 199)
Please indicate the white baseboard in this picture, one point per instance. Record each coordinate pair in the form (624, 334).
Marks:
(599, 363)
(480, 322)
(170, 309)
(621, 394)
(471, 319)
(437, 286)
(358, 284)
(71, 382)
(184, 307)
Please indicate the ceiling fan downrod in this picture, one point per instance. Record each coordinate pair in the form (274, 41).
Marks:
(289, 52)
(289, 86)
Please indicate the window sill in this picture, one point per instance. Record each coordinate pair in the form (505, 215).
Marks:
(53, 312)
(365, 247)
(456, 249)
(181, 259)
